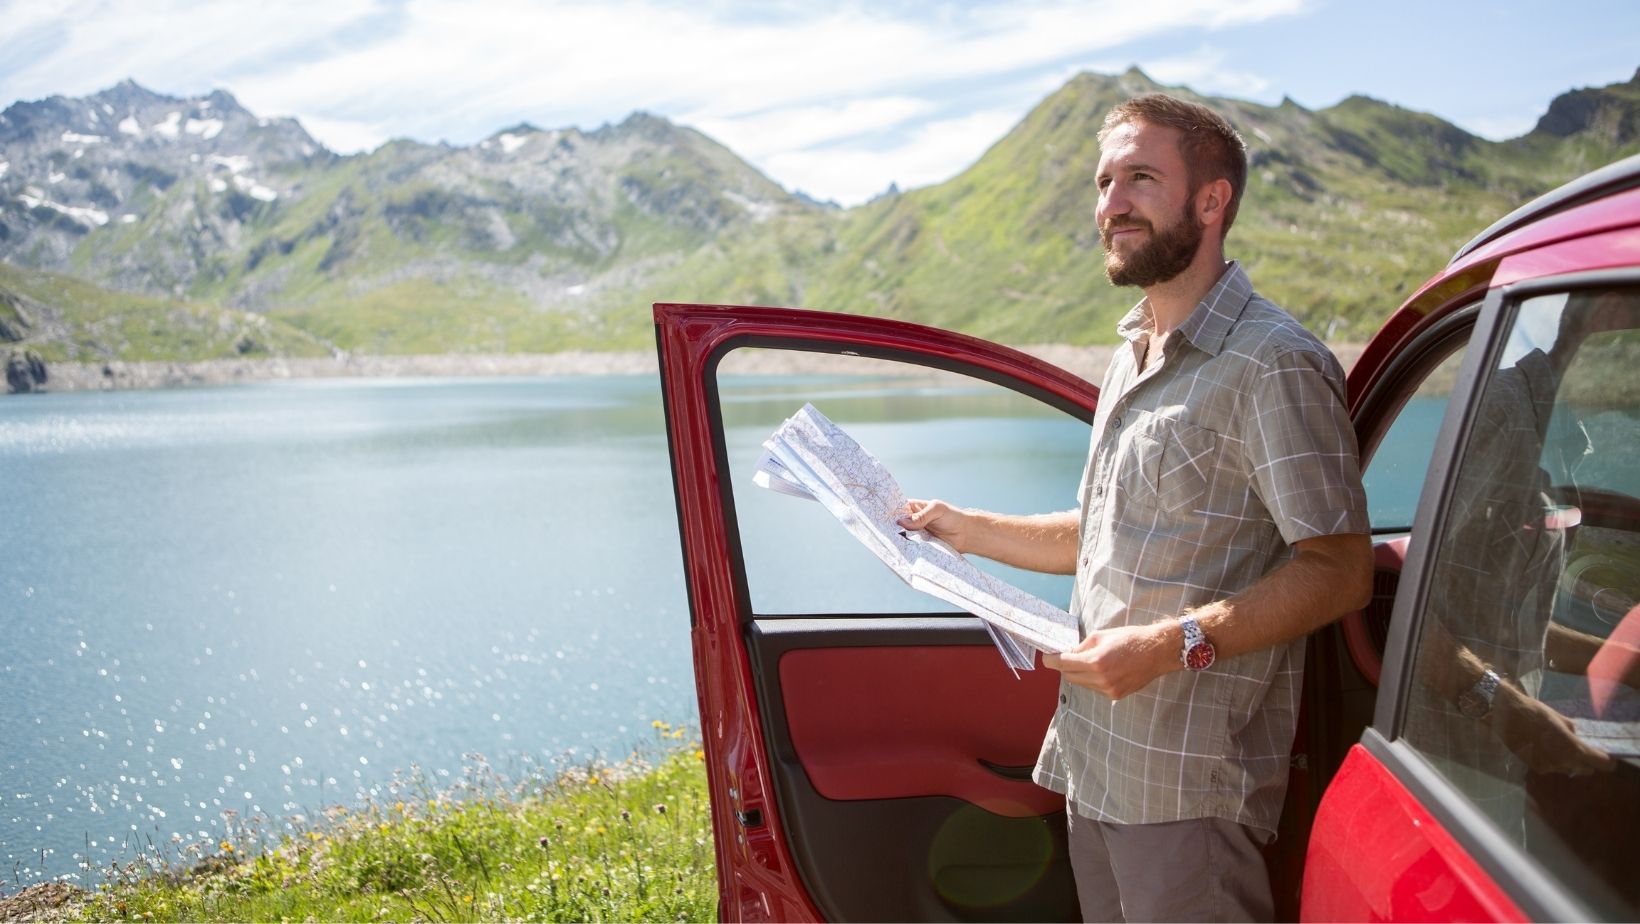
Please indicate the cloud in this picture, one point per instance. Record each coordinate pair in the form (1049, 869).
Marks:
(933, 152)
(1205, 72)
(81, 46)
(888, 88)
(800, 127)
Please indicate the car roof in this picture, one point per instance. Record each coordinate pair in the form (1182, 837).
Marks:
(1612, 178)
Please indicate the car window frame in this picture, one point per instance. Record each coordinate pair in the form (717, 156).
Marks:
(1537, 892)
(720, 449)
(1406, 372)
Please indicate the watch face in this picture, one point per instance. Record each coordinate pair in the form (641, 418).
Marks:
(1473, 705)
(1199, 657)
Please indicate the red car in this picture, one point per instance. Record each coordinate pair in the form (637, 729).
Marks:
(1469, 747)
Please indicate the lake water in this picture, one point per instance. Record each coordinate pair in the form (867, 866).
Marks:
(264, 599)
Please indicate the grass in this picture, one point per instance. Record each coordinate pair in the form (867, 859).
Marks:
(629, 842)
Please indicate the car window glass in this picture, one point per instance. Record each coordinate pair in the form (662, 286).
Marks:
(1395, 473)
(1528, 656)
(941, 434)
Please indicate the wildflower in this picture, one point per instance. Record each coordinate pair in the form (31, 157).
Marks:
(657, 724)
(544, 842)
(225, 847)
(398, 807)
(626, 815)
(592, 780)
(660, 808)
(700, 756)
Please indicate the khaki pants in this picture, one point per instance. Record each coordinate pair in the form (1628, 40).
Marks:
(1203, 869)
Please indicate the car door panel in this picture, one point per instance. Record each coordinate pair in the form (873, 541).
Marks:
(892, 722)
(941, 826)
(1376, 853)
(920, 829)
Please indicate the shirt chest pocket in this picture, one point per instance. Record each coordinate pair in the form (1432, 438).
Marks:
(1168, 464)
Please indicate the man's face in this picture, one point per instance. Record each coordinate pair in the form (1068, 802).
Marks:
(1144, 214)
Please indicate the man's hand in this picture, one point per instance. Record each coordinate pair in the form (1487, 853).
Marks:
(1542, 737)
(1040, 542)
(1117, 662)
(943, 521)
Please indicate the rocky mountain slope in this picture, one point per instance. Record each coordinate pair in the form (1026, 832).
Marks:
(136, 225)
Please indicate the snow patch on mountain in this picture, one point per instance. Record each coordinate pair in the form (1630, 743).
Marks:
(235, 163)
(34, 198)
(206, 129)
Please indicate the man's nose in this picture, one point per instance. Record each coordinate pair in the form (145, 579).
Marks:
(1112, 201)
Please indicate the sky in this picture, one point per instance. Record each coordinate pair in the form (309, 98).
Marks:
(836, 99)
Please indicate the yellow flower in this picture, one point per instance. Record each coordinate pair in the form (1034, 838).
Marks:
(315, 836)
(592, 780)
(225, 847)
(657, 724)
(398, 807)
(700, 756)
(467, 898)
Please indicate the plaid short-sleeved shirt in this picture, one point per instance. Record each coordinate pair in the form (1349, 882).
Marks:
(1204, 469)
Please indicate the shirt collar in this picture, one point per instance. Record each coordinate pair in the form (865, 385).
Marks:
(1208, 325)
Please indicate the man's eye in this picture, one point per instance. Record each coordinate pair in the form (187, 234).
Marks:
(1142, 176)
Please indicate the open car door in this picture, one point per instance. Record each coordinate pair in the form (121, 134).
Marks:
(868, 752)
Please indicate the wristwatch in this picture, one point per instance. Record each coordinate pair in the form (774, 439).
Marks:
(1198, 653)
(1476, 702)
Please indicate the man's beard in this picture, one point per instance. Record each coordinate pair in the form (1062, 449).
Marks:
(1167, 254)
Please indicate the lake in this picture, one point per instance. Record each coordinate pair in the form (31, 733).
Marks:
(268, 598)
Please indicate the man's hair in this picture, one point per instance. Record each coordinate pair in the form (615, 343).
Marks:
(1210, 145)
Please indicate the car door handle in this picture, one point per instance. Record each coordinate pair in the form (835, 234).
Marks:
(1019, 774)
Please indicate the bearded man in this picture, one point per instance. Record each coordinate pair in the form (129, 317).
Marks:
(1220, 519)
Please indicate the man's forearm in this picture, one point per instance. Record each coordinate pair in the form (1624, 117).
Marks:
(1040, 542)
(1325, 579)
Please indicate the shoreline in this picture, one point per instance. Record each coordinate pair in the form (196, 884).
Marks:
(1089, 362)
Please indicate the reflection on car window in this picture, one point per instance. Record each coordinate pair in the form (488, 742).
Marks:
(1395, 474)
(1528, 659)
(940, 434)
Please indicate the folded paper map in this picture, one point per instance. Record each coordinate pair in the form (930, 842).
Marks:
(810, 457)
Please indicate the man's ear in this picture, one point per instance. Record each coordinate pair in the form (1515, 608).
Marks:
(1211, 200)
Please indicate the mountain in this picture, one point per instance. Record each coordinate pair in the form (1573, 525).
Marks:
(542, 240)
(411, 248)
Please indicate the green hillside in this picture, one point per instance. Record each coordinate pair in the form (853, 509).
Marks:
(60, 318)
(539, 241)
(1347, 210)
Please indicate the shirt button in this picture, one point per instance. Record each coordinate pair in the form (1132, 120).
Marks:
(1063, 699)
(1116, 423)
